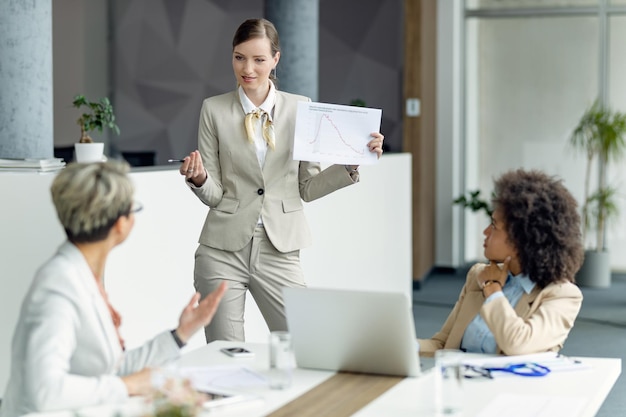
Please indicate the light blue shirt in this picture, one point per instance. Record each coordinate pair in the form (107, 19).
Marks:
(477, 337)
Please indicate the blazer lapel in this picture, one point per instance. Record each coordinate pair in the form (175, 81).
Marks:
(106, 324)
(97, 303)
(240, 147)
(470, 308)
(279, 135)
(526, 301)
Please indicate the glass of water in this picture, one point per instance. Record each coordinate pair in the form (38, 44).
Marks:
(282, 360)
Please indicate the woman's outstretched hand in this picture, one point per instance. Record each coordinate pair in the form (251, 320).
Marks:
(194, 317)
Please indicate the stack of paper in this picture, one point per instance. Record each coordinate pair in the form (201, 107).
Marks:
(38, 165)
(224, 384)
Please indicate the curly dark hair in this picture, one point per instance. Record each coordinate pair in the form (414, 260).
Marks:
(543, 224)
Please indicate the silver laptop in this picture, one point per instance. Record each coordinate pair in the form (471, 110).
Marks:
(357, 331)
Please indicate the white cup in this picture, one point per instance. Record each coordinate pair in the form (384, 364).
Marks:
(89, 152)
(449, 393)
(282, 360)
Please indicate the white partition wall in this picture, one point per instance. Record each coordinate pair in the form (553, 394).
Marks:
(361, 235)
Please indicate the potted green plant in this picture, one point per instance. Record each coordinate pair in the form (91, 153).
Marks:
(600, 136)
(474, 202)
(97, 116)
(358, 102)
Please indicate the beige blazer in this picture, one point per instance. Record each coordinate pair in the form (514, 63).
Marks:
(539, 322)
(238, 190)
(65, 352)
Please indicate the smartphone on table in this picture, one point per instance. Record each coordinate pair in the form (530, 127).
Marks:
(237, 352)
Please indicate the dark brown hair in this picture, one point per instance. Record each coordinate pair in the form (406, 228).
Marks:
(258, 28)
(543, 224)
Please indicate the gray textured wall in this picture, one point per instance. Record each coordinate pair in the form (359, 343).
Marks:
(169, 55)
(26, 123)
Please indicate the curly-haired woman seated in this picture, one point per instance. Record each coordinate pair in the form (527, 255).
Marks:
(67, 351)
(524, 300)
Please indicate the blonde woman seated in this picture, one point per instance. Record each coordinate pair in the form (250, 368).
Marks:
(524, 300)
(67, 351)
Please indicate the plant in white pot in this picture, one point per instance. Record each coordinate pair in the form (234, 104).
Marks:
(98, 116)
(600, 135)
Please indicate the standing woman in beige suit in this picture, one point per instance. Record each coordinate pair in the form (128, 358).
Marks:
(524, 300)
(245, 173)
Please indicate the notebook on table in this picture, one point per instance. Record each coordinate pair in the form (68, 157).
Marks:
(356, 331)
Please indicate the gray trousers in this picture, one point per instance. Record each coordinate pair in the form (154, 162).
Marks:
(258, 267)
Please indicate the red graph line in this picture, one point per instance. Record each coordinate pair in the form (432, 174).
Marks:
(319, 127)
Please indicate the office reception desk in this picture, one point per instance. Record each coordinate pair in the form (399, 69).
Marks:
(325, 393)
(361, 239)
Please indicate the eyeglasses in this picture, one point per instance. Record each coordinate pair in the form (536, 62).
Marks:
(521, 369)
(471, 372)
(136, 207)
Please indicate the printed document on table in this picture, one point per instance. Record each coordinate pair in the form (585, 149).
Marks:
(336, 134)
(224, 385)
(223, 376)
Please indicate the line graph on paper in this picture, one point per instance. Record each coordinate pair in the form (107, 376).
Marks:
(326, 129)
(334, 133)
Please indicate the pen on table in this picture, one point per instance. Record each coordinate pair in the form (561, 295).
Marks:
(175, 160)
(560, 355)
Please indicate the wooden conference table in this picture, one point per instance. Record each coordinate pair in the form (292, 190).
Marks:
(324, 393)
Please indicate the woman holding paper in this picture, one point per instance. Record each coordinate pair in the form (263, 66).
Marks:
(524, 300)
(245, 172)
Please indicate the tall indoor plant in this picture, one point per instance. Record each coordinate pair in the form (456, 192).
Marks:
(474, 202)
(600, 135)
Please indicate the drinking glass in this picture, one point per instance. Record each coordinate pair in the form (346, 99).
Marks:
(281, 360)
(449, 393)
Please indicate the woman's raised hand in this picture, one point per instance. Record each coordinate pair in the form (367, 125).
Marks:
(494, 272)
(193, 169)
(194, 317)
(376, 144)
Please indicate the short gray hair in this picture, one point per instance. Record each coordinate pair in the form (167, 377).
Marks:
(89, 198)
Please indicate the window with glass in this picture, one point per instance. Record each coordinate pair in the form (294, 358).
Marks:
(531, 69)
(526, 4)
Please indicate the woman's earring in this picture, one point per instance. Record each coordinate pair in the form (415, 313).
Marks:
(273, 72)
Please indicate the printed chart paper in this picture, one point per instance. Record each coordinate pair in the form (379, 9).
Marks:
(336, 134)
